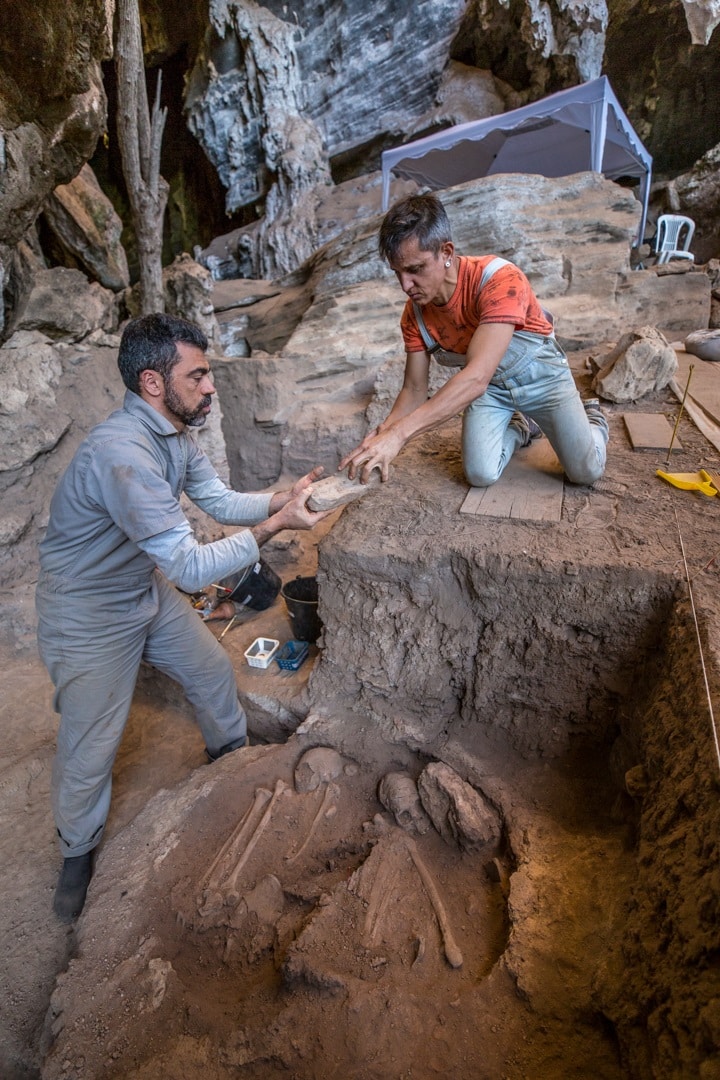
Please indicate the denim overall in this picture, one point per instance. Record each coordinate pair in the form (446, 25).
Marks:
(533, 378)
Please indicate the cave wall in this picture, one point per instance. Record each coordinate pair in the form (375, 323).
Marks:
(52, 106)
(266, 102)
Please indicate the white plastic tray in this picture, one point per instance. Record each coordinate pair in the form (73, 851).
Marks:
(261, 652)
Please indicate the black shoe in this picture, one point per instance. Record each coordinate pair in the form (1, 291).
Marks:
(72, 887)
(227, 749)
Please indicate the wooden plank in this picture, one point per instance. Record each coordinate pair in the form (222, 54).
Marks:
(530, 489)
(704, 383)
(703, 422)
(650, 431)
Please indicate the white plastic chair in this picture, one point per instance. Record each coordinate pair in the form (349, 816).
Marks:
(673, 236)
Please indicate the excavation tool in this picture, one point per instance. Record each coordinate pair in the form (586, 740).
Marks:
(680, 412)
(699, 481)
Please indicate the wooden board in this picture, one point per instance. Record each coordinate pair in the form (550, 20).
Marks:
(704, 382)
(650, 431)
(530, 489)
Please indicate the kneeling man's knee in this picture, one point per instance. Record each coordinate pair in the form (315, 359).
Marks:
(479, 478)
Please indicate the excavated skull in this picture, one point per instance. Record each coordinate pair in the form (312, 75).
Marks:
(398, 793)
(317, 766)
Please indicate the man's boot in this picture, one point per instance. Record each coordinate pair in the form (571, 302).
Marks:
(72, 887)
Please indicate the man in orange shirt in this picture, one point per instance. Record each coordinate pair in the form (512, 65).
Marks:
(480, 315)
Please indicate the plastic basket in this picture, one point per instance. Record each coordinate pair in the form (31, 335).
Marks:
(292, 655)
(261, 651)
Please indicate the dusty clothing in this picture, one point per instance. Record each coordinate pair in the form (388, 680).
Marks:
(532, 378)
(103, 607)
(505, 298)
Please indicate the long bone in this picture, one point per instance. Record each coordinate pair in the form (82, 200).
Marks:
(452, 952)
(316, 821)
(237, 836)
(231, 883)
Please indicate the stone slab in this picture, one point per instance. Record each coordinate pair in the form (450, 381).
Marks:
(530, 489)
(650, 431)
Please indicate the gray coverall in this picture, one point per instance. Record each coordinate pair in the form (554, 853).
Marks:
(103, 605)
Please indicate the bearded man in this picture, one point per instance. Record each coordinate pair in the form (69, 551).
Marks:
(116, 545)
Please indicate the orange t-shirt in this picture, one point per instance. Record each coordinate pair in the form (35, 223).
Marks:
(506, 298)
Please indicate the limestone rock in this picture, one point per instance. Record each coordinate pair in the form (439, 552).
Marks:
(399, 794)
(702, 18)
(642, 362)
(459, 813)
(65, 306)
(538, 44)
(30, 422)
(334, 491)
(704, 344)
(85, 224)
(261, 71)
(188, 294)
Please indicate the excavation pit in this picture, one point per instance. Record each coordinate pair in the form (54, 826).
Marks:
(554, 670)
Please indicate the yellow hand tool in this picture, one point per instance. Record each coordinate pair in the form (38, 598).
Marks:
(699, 481)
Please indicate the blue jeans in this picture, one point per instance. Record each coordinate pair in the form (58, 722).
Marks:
(534, 378)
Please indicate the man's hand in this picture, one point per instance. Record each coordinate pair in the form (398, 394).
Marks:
(224, 610)
(376, 451)
(292, 513)
(304, 482)
(282, 498)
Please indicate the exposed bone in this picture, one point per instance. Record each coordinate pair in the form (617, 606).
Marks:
(236, 840)
(323, 809)
(317, 766)
(398, 793)
(377, 903)
(280, 787)
(452, 952)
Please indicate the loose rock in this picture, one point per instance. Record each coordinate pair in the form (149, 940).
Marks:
(459, 813)
(642, 362)
(334, 491)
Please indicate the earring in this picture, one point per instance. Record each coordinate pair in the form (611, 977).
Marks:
(448, 263)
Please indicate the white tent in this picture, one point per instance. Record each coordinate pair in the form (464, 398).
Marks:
(581, 128)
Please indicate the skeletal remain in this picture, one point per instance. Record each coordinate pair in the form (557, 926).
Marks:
(334, 491)
(452, 952)
(317, 766)
(398, 793)
(379, 896)
(280, 788)
(236, 841)
(323, 811)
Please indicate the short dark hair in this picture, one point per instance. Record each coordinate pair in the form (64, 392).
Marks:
(418, 216)
(149, 343)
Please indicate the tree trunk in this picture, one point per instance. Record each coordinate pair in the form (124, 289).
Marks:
(140, 136)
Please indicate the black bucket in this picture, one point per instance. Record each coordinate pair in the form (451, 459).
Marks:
(301, 598)
(257, 589)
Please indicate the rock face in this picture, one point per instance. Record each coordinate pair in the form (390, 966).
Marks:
(546, 47)
(87, 228)
(52, 111)
(63, 304)
(260, 78)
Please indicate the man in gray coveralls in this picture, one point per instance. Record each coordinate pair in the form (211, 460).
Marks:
(116, 539)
